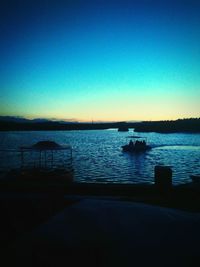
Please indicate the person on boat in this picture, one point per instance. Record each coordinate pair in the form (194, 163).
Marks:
(131, 144)
(136, 143)
(144, 143)
(139, 144)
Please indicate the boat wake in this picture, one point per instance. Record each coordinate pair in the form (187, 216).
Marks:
(177, 146)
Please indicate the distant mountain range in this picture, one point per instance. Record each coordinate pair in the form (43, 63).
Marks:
(11, 123)
(37, 120)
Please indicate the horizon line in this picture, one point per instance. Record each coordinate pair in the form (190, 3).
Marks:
(73, 120)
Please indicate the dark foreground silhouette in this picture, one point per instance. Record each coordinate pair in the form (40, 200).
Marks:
(92, 230)
(181, 125)
(46, 222)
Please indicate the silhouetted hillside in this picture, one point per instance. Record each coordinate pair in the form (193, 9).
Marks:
(181, 125)
(12, 124)
(20, 124)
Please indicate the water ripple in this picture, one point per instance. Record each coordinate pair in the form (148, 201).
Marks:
(97, 155)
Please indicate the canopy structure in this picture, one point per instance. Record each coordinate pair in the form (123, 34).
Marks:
(46, 145)
(46, 155)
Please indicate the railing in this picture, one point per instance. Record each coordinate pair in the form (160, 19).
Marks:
(50, 160)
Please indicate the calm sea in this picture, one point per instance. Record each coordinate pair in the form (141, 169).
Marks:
(97, 154)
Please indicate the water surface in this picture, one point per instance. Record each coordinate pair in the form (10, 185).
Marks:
(97, 154)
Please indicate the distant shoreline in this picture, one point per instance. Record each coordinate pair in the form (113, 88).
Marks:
(177, 126)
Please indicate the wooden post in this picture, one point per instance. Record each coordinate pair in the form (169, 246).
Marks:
(40, 158)
(45, 159)
(51, 159)
(22, 159)
(163, 178)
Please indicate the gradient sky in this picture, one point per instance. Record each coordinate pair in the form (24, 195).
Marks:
(100, 60)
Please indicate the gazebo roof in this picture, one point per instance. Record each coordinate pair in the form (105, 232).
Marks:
(46, 145)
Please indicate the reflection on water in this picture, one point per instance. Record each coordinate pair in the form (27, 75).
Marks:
(97, 154)
(178, 147)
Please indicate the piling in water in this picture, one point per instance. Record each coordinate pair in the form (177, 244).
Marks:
(163, 178)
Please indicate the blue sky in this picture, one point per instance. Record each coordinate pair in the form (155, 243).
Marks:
(100, 60)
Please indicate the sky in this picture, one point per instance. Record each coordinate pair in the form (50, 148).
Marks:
(100, 60)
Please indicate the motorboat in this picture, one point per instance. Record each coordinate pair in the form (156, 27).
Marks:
(136, 146)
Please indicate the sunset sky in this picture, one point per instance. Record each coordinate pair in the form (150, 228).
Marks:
(100, 60)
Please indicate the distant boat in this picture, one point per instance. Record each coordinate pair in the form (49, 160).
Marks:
(123, 129)
(136, 146)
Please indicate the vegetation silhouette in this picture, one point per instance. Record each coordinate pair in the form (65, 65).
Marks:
(181, 125)
(191, 125)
